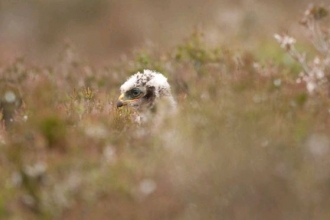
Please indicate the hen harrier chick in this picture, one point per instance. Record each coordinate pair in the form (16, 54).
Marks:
(145, 92)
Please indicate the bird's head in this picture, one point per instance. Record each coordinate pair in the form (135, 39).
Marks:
(142, 90)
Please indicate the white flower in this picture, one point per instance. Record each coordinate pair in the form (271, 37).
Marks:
(319, 74)
(10, 96)
(25, 117)
(286, 41)
(96, 131)
(317, 61)
(147, 186)
(311, 86)
(36, 170)
(277, 82)
(109, 154)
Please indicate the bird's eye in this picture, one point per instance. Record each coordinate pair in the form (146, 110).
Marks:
(135, 92)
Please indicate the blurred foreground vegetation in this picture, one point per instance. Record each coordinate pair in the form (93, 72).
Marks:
(248, 141)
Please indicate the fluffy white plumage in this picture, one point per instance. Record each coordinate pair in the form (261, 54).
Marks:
(148, 79)
(146, 92)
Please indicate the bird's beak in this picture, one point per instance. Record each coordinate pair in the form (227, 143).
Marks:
(120, 101)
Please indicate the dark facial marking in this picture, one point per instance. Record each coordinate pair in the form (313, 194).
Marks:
(150, 93)
(150, 96)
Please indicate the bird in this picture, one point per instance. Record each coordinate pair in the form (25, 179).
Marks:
(147, 92)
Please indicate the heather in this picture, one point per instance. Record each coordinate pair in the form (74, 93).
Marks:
(250, 138)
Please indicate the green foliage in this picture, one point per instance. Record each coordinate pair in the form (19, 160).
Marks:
(301, 99)
(196, 51)
(319, 12)
(84, 94)
(53, 130)
(145, 59)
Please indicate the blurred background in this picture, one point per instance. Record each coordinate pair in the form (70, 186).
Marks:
(248, 142)
(105, 30)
